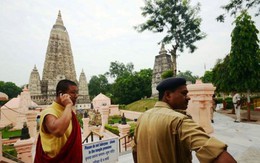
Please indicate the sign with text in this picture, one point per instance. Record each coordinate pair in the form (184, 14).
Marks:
(103, 151)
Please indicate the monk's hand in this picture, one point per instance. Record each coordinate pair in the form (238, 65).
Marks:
(65, 99)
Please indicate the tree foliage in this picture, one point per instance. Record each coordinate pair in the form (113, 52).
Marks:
(235, 6)
(188, 76)
(167, 74)
(244, 57)
(131, 87)
(118, 69)
(240, 70)
(98, 84)
(127, 87)
(178, 20)
(207, 78)
(220, 76)
(10, 89)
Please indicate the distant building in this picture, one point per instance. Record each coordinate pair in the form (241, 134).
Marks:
(3, 96)
(14, 111)
(162, 63)
(101, 101)
(58, 65)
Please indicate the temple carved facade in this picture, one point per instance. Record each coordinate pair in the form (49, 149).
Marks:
(58, 65)
(162, 63)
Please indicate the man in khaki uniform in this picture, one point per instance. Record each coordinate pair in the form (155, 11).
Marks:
(236, 99)
(165, 135)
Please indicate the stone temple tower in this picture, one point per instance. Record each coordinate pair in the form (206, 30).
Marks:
(35, 82)
(59, 62)
(58, 65)
(162, 63)
(83, 88)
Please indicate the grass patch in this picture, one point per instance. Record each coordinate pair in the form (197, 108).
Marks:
(10, 150)
(112, 129)
(141, 105)
(6, 134)
(116, 119)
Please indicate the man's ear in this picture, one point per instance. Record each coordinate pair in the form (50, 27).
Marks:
(167, 93)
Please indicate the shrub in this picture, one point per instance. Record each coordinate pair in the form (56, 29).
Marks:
(112, 129)
(110, 121)
(8, 134)
(10, 150)
(132, 129)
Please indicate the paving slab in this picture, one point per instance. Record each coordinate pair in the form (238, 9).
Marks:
(243, 139)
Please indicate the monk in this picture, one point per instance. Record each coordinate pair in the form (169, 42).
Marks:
(60, 135)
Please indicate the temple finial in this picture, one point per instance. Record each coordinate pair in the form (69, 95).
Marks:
(163, 51)
(59, 19)
(34, 68)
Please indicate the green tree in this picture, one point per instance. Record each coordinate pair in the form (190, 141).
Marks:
(131, 87)
(167, 74)
(10, 89)
(98, 84)
(244, 65)
(188, 76)
(220, 76)
(118, 69)
(207, 78)
(145, 80)
(235, 6)
(178, 19)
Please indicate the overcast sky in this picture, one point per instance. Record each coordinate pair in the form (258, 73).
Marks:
(100, 31)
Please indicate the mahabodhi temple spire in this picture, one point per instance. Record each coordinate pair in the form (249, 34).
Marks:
(59, 62)
(58, 65)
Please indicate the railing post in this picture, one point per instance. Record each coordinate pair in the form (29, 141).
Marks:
(123, 130)
(24, 149)
(85, 127)
(119, 145)
(92, 138)
(31, 122)
(125, 144)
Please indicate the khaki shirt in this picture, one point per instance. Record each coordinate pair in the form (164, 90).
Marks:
(163, 135)
(236, 98)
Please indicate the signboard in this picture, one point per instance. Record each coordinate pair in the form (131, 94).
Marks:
(104, 151)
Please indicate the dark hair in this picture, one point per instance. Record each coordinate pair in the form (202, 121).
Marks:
(161, 93)
(63, 86)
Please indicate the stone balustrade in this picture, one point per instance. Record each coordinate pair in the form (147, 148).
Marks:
(24, 149)
(200, 104)
(31, 122)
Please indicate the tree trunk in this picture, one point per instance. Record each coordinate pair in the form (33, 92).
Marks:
(224, 105)
(174, 62)
(248, 105)
(224, 102)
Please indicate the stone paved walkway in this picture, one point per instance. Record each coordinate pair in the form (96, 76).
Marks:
(243, 139)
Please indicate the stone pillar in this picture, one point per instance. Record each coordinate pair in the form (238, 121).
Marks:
(104, 117)
(123, 130)
(32, 123)
(85, 127)
(200, 104)
(24, 149)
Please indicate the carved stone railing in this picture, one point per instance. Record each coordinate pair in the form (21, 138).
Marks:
(91, 135)
(126, 140)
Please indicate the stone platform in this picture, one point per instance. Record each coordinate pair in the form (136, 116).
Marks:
(243, 139)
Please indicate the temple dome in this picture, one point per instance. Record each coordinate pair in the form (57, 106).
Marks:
(3, 96)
